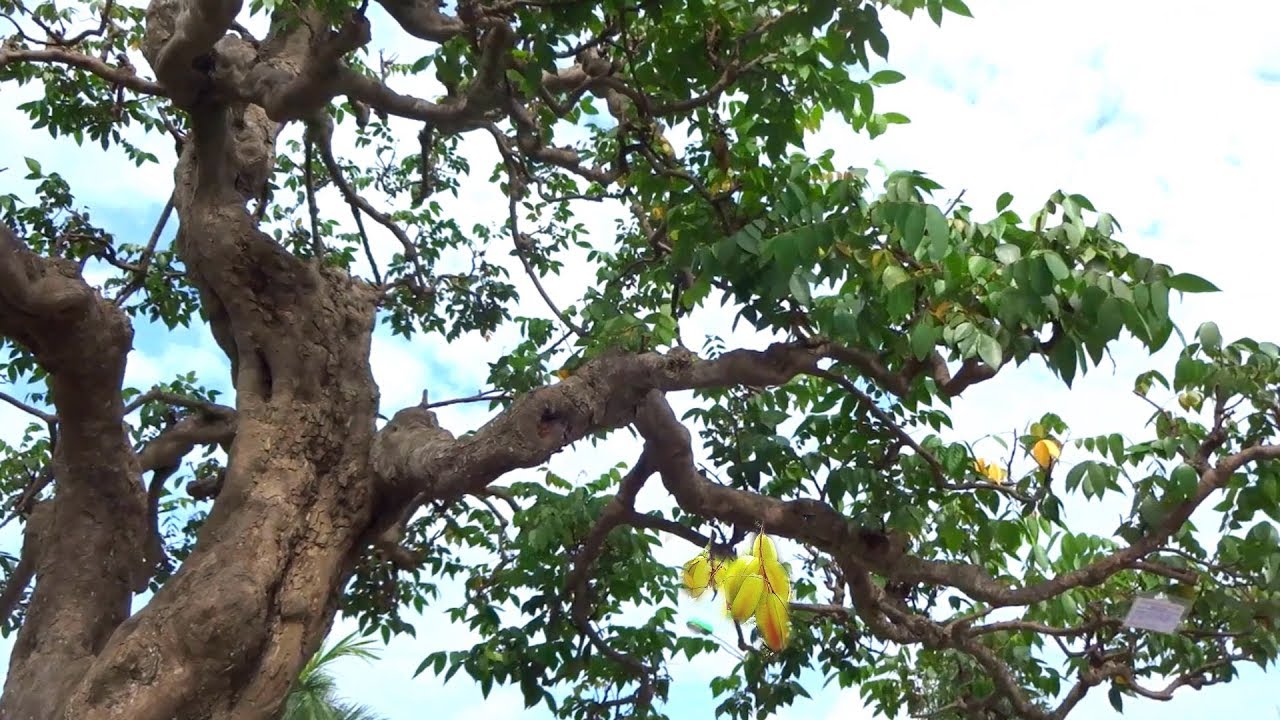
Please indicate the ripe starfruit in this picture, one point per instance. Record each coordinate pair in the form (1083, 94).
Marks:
(702, 572)
(1045, 452)
(762, 547)
(990, 471)
(747, 598)
(774, 622)
(776, 580)
(735, 573)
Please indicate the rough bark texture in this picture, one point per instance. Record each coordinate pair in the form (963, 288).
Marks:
(226, 636)
(98, 500)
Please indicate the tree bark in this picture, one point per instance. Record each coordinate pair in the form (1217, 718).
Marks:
(81, 594)
(226, 635)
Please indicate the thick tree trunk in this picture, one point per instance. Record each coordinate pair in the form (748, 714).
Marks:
(80, 595)
(226, 636)
(228, 633)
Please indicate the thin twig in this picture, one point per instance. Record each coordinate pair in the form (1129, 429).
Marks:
(479, 397)
(317, 246)
(29, 409)
(144, 260)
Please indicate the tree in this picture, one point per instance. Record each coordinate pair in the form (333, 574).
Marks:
(879, 305)
(315, 694)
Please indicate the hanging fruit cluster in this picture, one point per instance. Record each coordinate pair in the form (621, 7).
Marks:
(755, 585)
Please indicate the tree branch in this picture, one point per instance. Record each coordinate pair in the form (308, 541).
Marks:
(29, 409)
(602, 394)
(122, 76)
(423, 19)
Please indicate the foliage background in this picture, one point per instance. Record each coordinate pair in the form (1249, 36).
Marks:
(1160, 116)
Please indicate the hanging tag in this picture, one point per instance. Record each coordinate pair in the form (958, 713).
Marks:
(1157, 613)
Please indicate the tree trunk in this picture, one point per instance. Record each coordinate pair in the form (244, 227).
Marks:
(80, 595)
(226, 636)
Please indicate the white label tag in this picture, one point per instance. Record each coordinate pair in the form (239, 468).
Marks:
(1155, 613)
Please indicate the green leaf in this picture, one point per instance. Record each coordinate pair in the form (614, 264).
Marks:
(1041, 279)
(1116, 699)
(957, 7)
(1064, 359)
(1008, 254)
(800, 289)
(935, 12)
(887, 77)
(913, 228)
(1110, 319)
(894, 276)
(1075, 475)
(1186, 372)
(1003, 201)
(1116, 446)
(1188, 283)
(989, 350)
(939, 233)
(1056, 265)
(34, 167)
(923, 338)
(1183, 481)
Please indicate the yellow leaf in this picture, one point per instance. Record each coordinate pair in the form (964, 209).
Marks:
(659, 213)
(747, 598)
(774, 623)
(563, 373)
(1045, 452)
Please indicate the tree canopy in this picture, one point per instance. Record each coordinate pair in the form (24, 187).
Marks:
(814, 479)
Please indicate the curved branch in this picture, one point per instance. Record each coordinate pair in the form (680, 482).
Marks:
(423, 19)
(603, 394)
(29, 409)
(184, 30)
(32, 541)
(122, 76)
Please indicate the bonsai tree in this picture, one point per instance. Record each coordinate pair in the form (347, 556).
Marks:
(812, 475)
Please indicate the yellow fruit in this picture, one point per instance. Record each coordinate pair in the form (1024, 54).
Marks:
(776, 580)
(762, 547)
(773, 622)
(990, 471)
(735, 573)
(747, 599)
(697, 575)
(1045, 452)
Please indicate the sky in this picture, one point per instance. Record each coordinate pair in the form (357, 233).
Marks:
(1162, 113)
